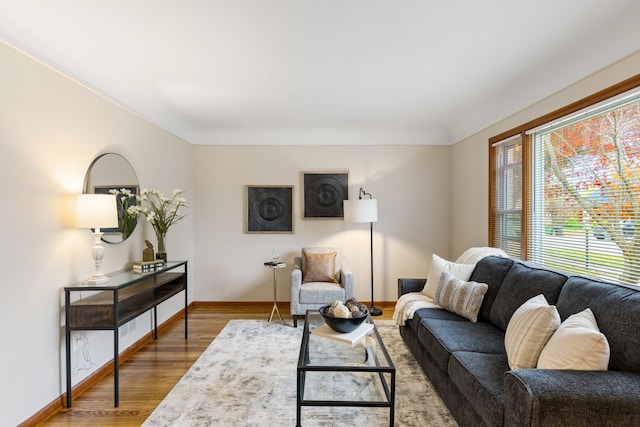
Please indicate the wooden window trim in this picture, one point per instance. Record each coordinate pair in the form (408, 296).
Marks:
(603, 95)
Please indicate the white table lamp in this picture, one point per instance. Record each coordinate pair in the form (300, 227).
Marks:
(96, 211)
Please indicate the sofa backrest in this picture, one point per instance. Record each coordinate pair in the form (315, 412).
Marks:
(492, 271)
(522, 282)
(617, 312)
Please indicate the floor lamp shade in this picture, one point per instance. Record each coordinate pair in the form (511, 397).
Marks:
(361, 210)
(96, 211)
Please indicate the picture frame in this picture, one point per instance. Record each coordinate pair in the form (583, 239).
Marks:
(269, 209)
(122, 207)
(324, 193)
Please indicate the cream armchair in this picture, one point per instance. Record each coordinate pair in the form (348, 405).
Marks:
(320, 276)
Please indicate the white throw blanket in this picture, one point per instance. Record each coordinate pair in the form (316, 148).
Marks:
(408, 304)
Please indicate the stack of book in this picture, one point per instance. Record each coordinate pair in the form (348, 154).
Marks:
(147, 266)
(275, 264)
(352, 337)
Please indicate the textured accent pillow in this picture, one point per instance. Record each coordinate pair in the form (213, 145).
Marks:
(438, 265)
(319, 267)
(578, 344)
(460, 297)
(528, 331)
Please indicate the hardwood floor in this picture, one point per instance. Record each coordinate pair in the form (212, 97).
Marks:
(148, 375)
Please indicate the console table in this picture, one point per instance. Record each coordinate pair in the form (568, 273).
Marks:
(126, 296)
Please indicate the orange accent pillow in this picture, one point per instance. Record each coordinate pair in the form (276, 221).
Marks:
(319, 267)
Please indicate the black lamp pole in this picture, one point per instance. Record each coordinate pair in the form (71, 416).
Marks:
(374, 311)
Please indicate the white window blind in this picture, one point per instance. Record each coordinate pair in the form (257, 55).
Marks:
(507, 209)
(584, 209)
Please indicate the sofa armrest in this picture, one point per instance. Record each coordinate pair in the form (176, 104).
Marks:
(347, 279)
(406, 285)
(544, 397)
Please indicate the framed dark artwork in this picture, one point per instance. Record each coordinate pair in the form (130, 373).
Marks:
(324, 193)
(123, 202)
(269, 209)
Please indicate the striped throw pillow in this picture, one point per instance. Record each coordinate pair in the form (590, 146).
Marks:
(460, 297)
(528, 331)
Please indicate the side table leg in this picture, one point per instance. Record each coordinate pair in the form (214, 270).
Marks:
(275, 309)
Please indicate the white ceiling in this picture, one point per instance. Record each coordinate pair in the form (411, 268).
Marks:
(272, 71)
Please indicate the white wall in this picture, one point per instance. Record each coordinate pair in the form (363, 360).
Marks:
(470, 157)
(50, 130)
(410, 183)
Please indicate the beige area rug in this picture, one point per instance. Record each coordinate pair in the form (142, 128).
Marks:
(247, 377)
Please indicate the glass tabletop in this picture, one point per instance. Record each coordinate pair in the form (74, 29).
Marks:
(124, 278)
(320, 351)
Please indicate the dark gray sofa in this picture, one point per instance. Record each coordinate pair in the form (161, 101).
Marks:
(467, 364)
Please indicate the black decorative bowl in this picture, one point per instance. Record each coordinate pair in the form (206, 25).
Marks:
(339, 324)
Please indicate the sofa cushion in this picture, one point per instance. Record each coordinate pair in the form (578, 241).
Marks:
(431, 313)
(528, 332)
(523, 282)
(459, 296)
(578, 344)
(479, 376)
(617, 310)
(442, 337)
(490, 270)
(438, 265)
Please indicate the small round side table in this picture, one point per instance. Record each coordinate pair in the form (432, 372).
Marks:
(275, 266)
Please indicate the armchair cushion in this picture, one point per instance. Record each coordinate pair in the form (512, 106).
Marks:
(321, 293)
(320, 267)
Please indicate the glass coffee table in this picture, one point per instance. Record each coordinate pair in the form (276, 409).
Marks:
(335, 373)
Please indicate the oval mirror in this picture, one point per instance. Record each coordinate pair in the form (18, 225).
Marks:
(109, 173)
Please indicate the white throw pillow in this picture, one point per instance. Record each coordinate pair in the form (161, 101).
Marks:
(460, 297)
(577, 344)
(438, 265)
(528, 331)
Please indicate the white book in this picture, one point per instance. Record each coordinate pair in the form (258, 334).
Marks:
(352, 337)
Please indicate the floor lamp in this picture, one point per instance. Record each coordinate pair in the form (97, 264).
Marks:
(364, 210)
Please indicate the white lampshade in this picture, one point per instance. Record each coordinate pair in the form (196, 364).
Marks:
(96, 211)
(361, 210)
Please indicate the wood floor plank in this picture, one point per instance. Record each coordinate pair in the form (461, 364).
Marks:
(150, 374)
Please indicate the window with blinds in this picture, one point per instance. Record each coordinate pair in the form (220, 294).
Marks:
(583, 214)
(507, 200)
